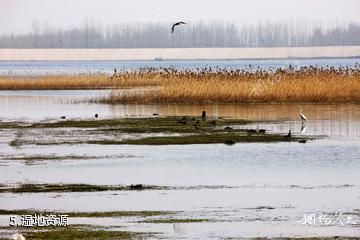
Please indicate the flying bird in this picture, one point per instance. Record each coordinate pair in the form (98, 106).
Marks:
(176, 24)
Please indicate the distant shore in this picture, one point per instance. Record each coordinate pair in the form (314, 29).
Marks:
(178, 53)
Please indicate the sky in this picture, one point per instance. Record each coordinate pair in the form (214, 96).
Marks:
(19, 16)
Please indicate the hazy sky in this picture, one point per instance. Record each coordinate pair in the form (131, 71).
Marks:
(18, 15)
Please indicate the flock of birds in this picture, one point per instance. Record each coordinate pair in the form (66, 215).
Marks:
(203, 115)
(18, 236)
(184, 121)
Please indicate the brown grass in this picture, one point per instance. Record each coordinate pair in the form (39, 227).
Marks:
(61, 82)
(236, 86)
(148, 77)
(171, 86)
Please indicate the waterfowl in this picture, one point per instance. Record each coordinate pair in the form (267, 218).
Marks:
(176, 24)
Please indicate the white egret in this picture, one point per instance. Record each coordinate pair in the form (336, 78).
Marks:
(303, 118)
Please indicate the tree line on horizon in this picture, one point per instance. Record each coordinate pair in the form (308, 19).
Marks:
(197, 35)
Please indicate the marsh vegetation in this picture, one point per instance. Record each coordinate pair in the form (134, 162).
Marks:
(208, 85)
(308, 84)
(77, 232)
(99, 170)
(56, 82)
(38, 188)
(86, 214)
(141, 131)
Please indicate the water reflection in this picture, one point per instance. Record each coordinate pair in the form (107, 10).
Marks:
(333, 120)
(293, 178)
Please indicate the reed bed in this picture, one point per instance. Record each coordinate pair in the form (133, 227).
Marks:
(60, 82)
(306, 84)
(208, 85)
(124, 79)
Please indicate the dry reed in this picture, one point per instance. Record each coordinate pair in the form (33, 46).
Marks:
(61, 82)
(307, 84)
(209, 85)
(144, 77)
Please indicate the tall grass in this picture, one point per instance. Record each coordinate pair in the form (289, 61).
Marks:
(60, 82)
(209, 85)
(125, 79)
(308, 84)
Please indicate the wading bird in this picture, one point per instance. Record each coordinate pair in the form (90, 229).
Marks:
(303, 118)
(289, 134)
(176, 24)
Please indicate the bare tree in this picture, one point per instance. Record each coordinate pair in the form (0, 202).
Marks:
(199, 34)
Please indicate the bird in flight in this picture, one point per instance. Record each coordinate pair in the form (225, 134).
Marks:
(176, 24)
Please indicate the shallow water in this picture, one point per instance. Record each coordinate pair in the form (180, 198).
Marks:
(93, 67)
(228, 185)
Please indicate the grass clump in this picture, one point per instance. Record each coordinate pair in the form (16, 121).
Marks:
(86, 214)
(70, 234)
(79, 232)
(146, 124)
(146, 131)
(57, 82)
(176, 220)
(201, 138)
(38, 188)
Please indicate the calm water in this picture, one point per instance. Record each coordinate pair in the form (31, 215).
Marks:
(71, 67)
(294, 179)
(321, 176)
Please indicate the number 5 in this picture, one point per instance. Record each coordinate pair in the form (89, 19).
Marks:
(12, 221)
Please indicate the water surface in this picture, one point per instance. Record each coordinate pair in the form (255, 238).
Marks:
(93, 67)
(245, 190)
